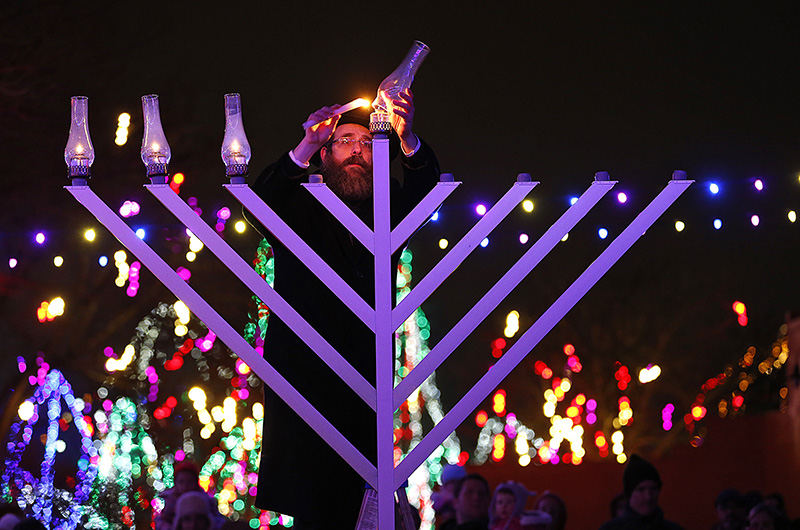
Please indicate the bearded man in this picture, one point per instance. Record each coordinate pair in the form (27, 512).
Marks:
(300, 475)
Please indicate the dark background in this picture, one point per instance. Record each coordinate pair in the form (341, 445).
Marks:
(560, 92)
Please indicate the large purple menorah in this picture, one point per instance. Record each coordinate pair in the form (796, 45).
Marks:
(384, 398)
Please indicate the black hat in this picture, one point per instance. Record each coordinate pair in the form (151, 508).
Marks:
(729, 495)
(360, 116)
(637, 471)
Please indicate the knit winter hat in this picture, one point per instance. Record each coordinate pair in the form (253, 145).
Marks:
(637, 471)
(452, 472)
(192, 503)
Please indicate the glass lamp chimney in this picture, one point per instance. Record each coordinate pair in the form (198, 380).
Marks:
(155, 149)
(235, 147)
(401, 78)
(79, 152)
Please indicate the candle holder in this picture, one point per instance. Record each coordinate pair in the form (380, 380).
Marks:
(155, 149)
(378, 314)
(380, 122)
(79, 152)
(235, 147)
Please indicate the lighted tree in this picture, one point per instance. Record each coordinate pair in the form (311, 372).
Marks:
(62, 503)
(211, 417)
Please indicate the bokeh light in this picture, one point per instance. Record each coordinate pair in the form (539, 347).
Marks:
(717, 224)
(123, 122)
(129, 209)
(512, 324)
(649, 374)
(26, 410)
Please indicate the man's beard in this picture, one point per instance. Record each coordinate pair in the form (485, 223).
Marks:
(352, 183)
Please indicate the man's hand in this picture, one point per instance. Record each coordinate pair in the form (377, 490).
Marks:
(316, 135)
(403, 120)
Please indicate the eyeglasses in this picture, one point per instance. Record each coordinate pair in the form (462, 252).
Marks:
(347, 142)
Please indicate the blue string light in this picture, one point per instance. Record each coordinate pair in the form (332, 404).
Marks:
(39, 494)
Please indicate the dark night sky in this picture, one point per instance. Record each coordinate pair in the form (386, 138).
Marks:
(560, 92)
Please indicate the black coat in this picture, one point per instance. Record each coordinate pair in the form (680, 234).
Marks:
(300, 474)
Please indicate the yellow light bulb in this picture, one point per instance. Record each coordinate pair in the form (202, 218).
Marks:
(527, 205)
(197, 394)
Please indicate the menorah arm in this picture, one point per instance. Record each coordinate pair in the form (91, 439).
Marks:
(421, 213)
(224, 331)
(540, 328)
(343, 213)
(261, 288)
(500, 290)
(306, 254)
(459, 252)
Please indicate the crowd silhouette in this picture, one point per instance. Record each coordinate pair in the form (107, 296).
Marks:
(465, 501)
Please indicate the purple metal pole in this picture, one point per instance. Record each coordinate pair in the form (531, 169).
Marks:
(261, 288)
(300, 248)
(460, 251)
(500, 290)
(224, 331)
(540, 328)
(421, 212)
(384, 332)
(343, 213)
